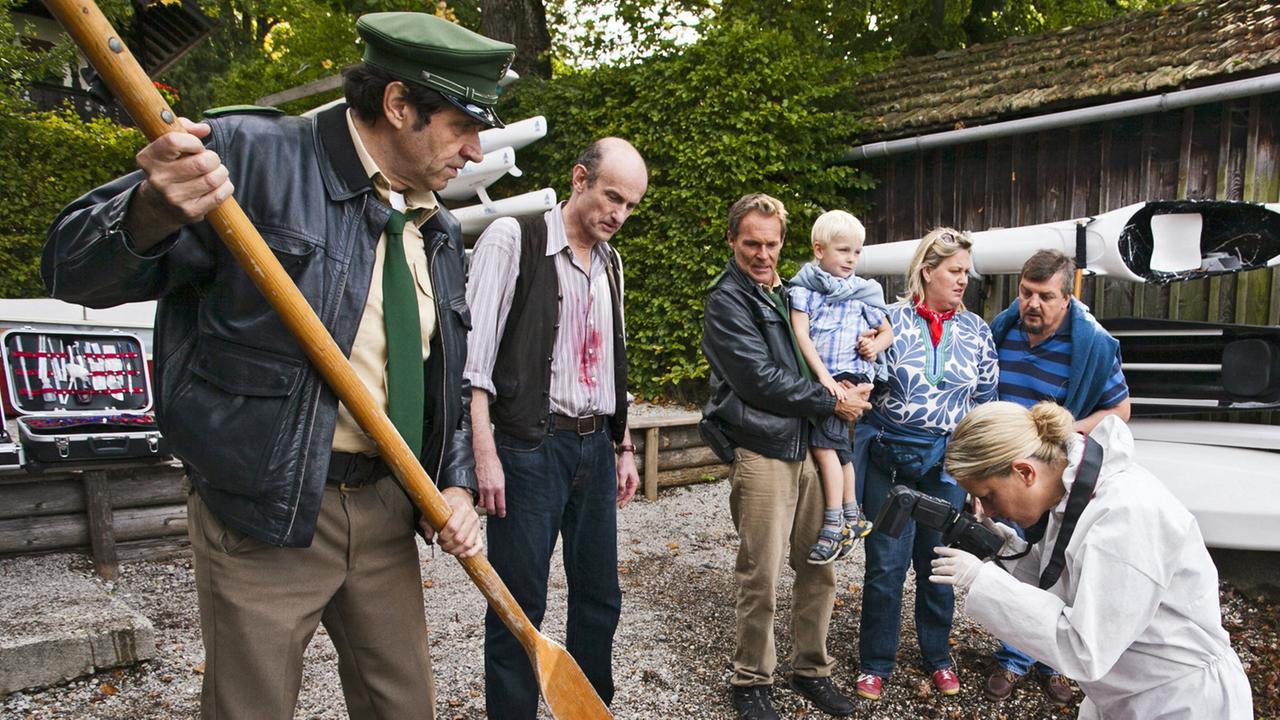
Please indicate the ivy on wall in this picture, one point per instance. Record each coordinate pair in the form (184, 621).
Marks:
(747, 109)
(50, 159)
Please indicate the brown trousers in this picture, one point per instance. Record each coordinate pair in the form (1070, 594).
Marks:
(260, 605)
(777, 509)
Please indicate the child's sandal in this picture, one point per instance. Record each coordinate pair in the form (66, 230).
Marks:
(827, 549)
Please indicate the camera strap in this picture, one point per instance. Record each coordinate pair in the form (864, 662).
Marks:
(1081, 494)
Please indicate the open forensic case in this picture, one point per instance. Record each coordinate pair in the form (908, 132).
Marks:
(80, 396)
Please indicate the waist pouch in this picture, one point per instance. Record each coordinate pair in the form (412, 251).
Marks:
(907, 454)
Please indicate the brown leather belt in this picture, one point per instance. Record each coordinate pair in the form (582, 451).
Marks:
(581, 425)
(352, 471)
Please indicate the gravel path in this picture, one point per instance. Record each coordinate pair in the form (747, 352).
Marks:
(676, 565)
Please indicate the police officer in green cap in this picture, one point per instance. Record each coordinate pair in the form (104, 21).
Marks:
(293, 518)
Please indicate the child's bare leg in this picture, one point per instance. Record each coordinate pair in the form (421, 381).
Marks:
(827, 545)
(850, 490)
(834, 483)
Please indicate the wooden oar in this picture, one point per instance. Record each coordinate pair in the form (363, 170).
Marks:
(565, 689)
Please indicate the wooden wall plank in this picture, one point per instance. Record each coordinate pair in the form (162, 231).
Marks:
(1261, 184)
(942, 164)
(1122, 169)
(890, 201)
(1231, 158)
(971, 187)
(876, 202)
(1201, 184)
(1266, 179)
(1176, 290)
(1162, 145)
(23, 535)
(58, 496)
(921, 201)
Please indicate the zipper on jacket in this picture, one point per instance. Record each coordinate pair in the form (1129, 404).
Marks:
(315, 400)
(444, 366)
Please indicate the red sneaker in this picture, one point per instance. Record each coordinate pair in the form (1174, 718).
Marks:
(869, 686)
(946, 680)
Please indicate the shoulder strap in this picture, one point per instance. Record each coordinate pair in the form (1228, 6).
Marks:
(1081, 494)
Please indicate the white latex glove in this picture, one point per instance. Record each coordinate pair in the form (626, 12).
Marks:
(955, 567)
(1012, 543)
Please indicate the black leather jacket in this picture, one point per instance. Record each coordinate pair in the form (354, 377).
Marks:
(758, 396)
(235, 395)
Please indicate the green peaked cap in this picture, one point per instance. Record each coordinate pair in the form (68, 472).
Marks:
(426, 50)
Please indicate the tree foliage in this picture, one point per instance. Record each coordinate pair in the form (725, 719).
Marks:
(51, 158)
(746, 109)
(723, 97)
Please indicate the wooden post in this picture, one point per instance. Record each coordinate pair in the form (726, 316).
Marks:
(651, 463)
(97, 502)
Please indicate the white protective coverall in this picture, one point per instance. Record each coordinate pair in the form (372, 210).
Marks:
(1135, 618)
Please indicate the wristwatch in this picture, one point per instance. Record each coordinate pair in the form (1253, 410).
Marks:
(625, 448)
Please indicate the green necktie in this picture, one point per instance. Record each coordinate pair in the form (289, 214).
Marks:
(405, 394)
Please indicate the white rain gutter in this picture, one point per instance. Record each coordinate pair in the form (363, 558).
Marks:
(1082, 116)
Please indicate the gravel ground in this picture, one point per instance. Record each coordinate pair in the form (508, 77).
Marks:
(672, 651)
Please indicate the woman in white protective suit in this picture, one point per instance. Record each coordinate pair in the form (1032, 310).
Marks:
(1133, 615)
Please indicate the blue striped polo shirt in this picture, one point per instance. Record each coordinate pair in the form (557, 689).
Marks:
(1031, 374)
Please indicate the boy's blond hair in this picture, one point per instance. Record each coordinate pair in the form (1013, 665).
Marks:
(835, 224)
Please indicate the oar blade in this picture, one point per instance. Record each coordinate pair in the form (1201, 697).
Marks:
(566, 690)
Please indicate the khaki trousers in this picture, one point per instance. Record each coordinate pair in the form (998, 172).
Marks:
(777, 505)
(260, 605)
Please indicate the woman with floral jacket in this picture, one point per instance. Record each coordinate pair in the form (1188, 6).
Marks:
(942, 363)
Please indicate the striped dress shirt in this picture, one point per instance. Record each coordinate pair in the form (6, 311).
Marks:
(582, 380)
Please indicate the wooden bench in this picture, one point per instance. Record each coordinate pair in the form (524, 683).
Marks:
(142, 504)
(681, 454)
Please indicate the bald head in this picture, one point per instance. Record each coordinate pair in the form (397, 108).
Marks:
(617, 153)
(609, 179)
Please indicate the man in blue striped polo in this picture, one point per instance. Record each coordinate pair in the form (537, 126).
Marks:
(1051, 348)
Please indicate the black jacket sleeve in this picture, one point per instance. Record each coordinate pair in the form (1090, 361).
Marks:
(742, 356)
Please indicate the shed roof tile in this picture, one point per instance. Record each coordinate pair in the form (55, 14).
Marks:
(1183, 45)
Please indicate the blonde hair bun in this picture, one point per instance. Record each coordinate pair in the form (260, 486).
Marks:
(994, 434)
(1054, 424)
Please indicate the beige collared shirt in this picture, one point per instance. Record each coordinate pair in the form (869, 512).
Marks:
(369, 353)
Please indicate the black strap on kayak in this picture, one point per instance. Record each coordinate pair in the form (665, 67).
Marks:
(1082, 244)
(1081, 494)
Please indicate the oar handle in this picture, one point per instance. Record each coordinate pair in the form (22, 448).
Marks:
(108, 54)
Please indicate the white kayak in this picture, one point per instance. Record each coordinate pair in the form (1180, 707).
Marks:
(1227, 474)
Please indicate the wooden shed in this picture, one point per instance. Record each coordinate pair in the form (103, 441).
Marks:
(1182, 102)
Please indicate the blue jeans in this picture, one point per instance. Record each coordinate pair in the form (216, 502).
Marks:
(887, 562)
(1011, 658)
(563, 485)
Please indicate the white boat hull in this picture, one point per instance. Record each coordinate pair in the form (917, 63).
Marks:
(1233, 492)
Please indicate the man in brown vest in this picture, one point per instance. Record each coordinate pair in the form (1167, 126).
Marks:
(547, 363)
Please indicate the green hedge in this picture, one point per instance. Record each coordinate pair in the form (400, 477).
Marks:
(746, 109)
(50, 159)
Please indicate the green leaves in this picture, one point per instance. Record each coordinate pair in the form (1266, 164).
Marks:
(50, 159)
(743, 110)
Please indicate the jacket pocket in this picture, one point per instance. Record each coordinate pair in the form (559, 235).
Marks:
(229, 417)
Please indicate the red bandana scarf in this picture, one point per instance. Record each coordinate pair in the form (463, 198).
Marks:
(935, 320)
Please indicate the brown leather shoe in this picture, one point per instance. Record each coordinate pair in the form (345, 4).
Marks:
(1058, 689)
(1000, 683)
